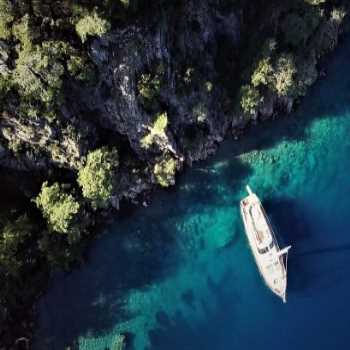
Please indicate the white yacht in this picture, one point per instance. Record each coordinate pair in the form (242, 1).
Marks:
(268, 256)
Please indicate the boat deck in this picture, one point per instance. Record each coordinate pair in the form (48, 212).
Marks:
(263, 243)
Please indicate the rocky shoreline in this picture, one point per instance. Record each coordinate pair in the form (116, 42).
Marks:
(159, 90)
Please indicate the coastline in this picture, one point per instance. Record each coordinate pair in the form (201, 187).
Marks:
(140, 193)
(234, 134)
(224, 276)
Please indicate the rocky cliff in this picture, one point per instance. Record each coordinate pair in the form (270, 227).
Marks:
(100, 103)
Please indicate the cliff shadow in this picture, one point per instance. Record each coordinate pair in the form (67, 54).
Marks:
(291, 223)
(140, 249)
(93, 299)
(310, 258)
(211, 181)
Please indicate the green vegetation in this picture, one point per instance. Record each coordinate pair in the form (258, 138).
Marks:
(97, 177)
(149, 86)
(164, 171)
(12, 237)
(262, 73)
(91, 24)
(40, 62)
(24, 31)
(48, 70)
(6, 18)
(158, 130)
(58, 207)
(250, 99)
(285, 64)
(283, 75)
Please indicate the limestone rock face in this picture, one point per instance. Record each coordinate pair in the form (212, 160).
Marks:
(182, 62)
(45, 144)
(186, 49)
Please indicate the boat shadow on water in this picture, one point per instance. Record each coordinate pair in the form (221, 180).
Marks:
(308, 268)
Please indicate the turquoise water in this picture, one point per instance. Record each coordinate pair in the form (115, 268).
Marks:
(179, 274)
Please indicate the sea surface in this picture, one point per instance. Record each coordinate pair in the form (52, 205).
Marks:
(179, 274)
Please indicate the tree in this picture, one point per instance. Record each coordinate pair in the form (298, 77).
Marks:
(39, 76)
(79, 68)
(164, 171)
(149, 86)
(25, 32)
(283, 76)
(59, 208)
(6, 17)
(12, 236)
(91, 24)
(96, 178)
(249, 99)
(262, 73)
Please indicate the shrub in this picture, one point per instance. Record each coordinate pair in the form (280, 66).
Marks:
(58, 207)
(96, 178)
(12, 236)
(5, 85)
(338, 14)
(39, 75)
(6, 17)
(25, 33)
(165, 170)
(262, 73)
(91, 24)
(249, 99)
(283, 76)
(79, 68)
(149, 86)
(158, 130)
(126, 3)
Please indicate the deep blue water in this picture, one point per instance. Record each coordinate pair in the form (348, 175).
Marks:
(179, 274)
